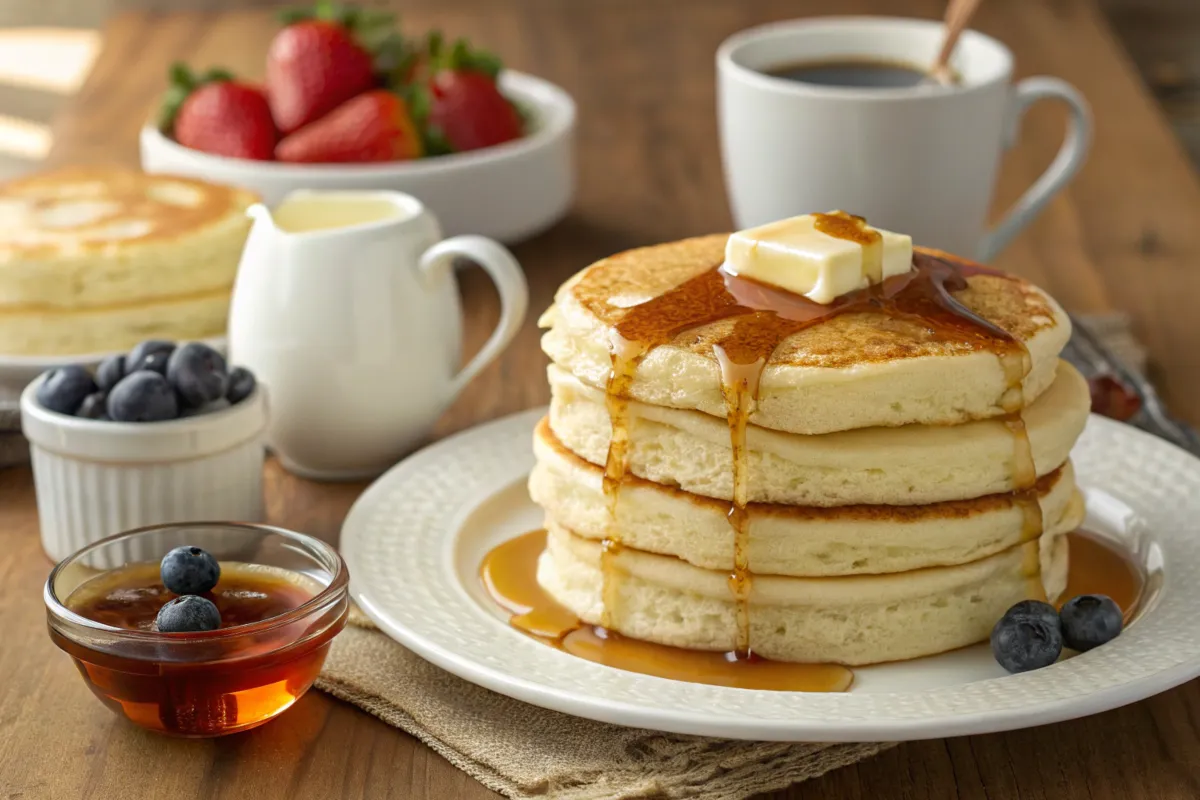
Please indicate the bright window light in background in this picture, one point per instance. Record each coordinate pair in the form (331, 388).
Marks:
(29, 140)
(50, 59)
(53, 61)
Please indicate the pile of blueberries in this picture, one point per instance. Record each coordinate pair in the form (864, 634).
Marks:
(1031, 634)
(156, 381)
(189, 572)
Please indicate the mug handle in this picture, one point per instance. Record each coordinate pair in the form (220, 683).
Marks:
(1064, 166)
(505, 272)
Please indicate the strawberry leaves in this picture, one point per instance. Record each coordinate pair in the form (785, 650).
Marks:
(372, 29)
(419, 101)
(461, 56)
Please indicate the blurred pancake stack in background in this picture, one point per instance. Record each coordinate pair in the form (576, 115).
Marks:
(96, 259)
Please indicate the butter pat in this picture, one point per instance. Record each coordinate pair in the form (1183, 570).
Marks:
(820, 256)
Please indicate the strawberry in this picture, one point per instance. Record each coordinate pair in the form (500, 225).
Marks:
(214, 113)
(466, 110)
(375, 126)
(313, 66)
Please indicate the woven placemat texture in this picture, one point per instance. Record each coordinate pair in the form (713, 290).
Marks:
(525, 752)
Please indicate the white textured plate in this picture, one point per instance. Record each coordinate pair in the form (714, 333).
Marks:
(415, 539)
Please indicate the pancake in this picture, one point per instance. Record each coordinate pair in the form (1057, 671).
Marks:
(99, 237)
(850, 620)
(856, 370)
(910, 465)
(97, 330)
(790, 540)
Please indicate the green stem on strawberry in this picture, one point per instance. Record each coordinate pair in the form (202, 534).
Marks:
(461, 56)
(182, 82)
(418, 100)
(370, 27)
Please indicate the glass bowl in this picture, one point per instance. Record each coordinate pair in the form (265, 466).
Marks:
(214, 682)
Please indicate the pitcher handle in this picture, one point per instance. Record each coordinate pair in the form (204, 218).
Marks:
(505, 272)
(1070, 158)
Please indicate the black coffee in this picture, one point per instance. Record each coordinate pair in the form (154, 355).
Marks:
(851, 72)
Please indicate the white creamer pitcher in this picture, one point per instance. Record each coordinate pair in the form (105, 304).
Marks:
(346, 309)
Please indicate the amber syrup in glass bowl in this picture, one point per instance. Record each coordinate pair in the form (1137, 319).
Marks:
(276, 628)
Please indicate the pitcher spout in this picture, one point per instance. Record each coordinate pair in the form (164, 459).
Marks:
(260, 213)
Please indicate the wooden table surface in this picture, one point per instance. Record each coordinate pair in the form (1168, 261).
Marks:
(1125, 235)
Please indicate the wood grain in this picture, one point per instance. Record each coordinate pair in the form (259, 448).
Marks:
(1124, 235)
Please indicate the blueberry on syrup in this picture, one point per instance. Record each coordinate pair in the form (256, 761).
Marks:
(64, 389)
(241, 385)
(110, 372)
(188, 614)
(189, 570)
(143, 397)
(1028, 636)
(1090, 620)
(198, 374)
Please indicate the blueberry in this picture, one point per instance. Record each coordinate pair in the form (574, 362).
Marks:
(64, 389)
(110, 372)
(197, 372)
(241, 385)
(1028, 636)
(1044, 612)
(157, 351)
(189, 570)
(155, 362)
(93, 406)
(188, 614)
(1090, 620)
(143, 397)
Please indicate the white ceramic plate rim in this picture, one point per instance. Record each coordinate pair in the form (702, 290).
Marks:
(1159, 653)
(553, 107)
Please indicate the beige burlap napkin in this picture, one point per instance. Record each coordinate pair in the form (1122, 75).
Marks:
(523, 751)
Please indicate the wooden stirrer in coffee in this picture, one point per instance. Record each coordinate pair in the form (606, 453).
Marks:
(958, 15)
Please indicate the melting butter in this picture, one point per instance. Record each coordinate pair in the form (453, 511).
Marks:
(819, 256)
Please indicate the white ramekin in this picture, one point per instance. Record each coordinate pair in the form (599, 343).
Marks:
(95, 478)
(508, 192)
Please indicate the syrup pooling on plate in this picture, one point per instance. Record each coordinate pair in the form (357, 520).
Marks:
(763, 317)
(509, 573)
(1097, 567)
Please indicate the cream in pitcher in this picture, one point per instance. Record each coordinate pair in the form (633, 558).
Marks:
(346, 308)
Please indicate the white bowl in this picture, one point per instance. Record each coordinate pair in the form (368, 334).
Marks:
(507, 192)
(96, 478)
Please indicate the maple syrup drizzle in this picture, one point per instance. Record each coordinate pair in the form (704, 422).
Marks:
(509, 573)
(762, 318)
(645, 326)
(739, 385)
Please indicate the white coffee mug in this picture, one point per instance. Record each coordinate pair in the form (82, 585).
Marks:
(920, 160)
(346, 309)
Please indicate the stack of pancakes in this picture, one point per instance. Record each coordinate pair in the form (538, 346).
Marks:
(95, 259)
(885, 516)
